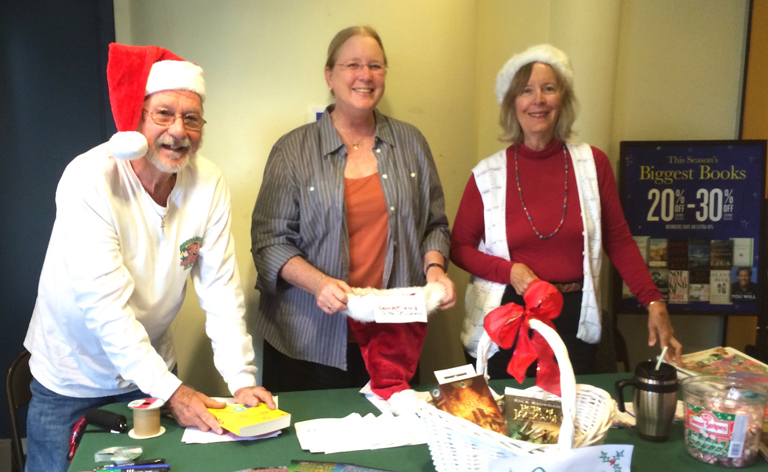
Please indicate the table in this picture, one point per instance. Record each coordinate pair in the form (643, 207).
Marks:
(234, 456)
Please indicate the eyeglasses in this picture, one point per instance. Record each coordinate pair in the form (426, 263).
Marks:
(191, 121)
(374, 67)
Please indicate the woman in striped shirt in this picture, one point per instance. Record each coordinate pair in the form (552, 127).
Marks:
(351, 200)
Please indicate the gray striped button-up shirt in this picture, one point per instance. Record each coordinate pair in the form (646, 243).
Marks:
(300, 212)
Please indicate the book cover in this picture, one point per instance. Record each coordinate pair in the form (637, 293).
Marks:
(743, 251)
(660, 278)
(721, 254)
(642, 245)
(724, 361)
(744, 284)
(698, 253)
(657, 252)
(720, 287)
(315, 466)
(472, 400)
(678, 254)
(678, 286)
(532, 419)
(244, 420)
(698, 285)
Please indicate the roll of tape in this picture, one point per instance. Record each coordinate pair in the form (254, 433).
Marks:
(146, 418)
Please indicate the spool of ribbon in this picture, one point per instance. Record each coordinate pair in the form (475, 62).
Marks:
(146, 418)
(509, 323)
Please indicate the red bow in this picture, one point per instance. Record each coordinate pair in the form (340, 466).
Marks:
(510, 322)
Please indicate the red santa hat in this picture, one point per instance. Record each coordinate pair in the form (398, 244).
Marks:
(133, 72)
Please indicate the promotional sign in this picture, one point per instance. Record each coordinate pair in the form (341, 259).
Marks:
(696, 212)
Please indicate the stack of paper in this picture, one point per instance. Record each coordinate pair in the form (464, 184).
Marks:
(358, 433)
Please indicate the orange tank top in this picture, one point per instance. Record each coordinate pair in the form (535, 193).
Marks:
(367, 224)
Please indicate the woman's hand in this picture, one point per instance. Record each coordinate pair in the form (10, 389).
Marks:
(520, 277)
(660, 328)
(331, 294)
(437, 275)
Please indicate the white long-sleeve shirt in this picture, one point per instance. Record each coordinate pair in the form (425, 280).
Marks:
(115, 275)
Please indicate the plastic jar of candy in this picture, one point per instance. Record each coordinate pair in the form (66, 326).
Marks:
(723, 419)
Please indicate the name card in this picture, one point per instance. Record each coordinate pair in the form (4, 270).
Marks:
(400, 309)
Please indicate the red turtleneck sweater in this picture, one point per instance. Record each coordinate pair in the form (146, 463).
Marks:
(559, 258)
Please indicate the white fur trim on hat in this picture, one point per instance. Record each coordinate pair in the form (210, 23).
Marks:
(545, 53)
(362, 301)
(176, 75)
(128, 145)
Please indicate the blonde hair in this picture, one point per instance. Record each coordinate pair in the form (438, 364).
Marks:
(513, 133)
(342, 37)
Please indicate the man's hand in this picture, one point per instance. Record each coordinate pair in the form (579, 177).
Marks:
(189, 408)
(660, 328)
(253, 395)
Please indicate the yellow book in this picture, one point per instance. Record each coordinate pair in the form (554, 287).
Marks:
(244, 420)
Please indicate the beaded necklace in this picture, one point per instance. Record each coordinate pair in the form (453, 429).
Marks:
(565, 200)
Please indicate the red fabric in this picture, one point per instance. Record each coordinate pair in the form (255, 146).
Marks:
(560, 258)
(127, 72)
(391, 353)
(509, 322)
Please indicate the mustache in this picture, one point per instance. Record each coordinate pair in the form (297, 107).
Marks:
(166, 140)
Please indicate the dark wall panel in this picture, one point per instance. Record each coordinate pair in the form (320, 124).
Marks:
(54, 106)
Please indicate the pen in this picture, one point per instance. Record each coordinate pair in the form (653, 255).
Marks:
(159, 462)
(138, 468)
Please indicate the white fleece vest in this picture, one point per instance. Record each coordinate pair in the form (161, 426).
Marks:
(482, 296)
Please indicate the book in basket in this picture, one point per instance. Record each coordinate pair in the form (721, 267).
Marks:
(246, 421)
(533, 420)
(465, 394)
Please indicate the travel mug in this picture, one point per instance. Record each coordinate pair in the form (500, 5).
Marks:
(655, 399)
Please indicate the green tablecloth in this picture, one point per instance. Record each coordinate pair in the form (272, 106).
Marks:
(228, 457)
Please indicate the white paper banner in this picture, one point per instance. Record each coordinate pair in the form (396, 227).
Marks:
(605, 458)
(400, 309)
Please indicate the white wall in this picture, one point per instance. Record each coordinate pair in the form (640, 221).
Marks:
(645, 69)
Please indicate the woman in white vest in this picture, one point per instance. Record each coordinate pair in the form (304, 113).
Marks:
(546, 207)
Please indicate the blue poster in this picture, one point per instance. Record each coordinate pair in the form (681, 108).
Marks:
(695, 209)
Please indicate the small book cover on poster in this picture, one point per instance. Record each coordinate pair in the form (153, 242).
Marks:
(246, 421)
(743, 286)
(678, 254)
(642, 245)
(720, 287)
(724, 361)
(469, 398)
(721, 254)
(315, 466)
(743, 251)
(660, 278)
(678, 286)
(532, 419)
(657, 252)
(698, 285)
(698, 253)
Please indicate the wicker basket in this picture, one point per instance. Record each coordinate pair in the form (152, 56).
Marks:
(458, 445)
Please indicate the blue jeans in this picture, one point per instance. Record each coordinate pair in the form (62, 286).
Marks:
(50, 420)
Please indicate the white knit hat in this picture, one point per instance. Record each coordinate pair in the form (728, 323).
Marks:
(545, 53)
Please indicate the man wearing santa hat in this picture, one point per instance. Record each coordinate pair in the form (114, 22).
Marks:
(135, 218)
